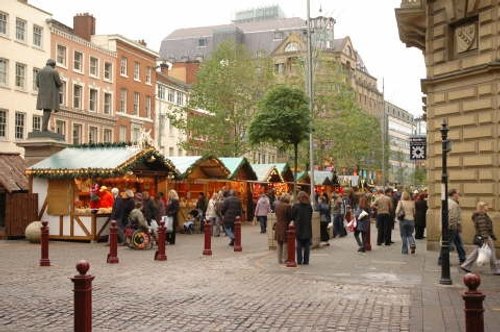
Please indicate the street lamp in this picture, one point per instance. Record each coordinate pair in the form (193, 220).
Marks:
(445, 244)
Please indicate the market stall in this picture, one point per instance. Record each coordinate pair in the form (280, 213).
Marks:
(240, 175)
(70, 182)
(197, 175)
(269, 178)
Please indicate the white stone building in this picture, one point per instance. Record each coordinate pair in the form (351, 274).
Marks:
(25, 48)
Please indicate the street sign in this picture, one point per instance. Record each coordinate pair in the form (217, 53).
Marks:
(418, 148)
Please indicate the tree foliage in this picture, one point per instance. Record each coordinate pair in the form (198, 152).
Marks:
(228, 86)
(282, 119)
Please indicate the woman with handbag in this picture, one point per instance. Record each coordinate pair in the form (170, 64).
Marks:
(324, 219)
(405, 214)
(172, 210)
(484, 235)
(283, 217)
(362, 214)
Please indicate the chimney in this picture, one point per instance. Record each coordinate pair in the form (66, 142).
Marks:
(142, 42)
(84, 25)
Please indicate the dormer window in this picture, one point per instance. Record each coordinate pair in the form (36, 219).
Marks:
(278, 35)
(202, 42)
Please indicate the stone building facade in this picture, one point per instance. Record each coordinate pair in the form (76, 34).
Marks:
(459, 40)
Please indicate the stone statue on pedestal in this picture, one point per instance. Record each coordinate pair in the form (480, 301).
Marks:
(48, 83)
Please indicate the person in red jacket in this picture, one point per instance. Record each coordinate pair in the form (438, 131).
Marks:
(106, 198)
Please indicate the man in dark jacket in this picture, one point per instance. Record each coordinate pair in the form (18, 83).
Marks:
(48, 83)
(302, 219)
(121, 211)
(231, 208)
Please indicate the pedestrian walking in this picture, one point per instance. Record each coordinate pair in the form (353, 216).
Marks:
(302, 218)
(339, 213)
(484, 234)
(212, 214)
(324, 219)
(455, 225)
(231, 208)
(362, 214)
(405, 211)
(383, 205)
(172, 211)
(262, 209)
(283, 217)
(420, 216)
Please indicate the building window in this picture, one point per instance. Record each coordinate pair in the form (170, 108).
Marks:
(61, 127)
(137, 71)
(179, 98)
(123, 134)
(20, 75)
(136, 133)
(171, 95)
(37, 123)
(78, 61)
(4, 71)
(202, 42)
(278, 35)
(20, 29)
(35, 74)
(279, 68)
(20, 123)
(161, 92)
(77, 97)
(148, 107)
(3, 123)
(123, 66)
(93, 102)
(107, 136)
(94, 67)
(149, 73)
(61, 55)
(37, 35)
(170, 151)
(4, 23)
(123, 100)
(93, 131)
(108, 99)
(62, 94)
(108, 71)
(136, 103)
(77, 134)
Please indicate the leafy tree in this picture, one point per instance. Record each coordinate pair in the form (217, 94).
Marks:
(229, 85)
(282, 119)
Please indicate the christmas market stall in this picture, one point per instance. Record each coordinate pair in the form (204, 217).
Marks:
(269, 180)
(18, 207)
(74, 185)
(198, 175)
(240, 175)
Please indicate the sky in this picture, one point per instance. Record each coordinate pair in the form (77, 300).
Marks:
(371, 25)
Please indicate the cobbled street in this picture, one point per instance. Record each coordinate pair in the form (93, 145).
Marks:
(340, 291)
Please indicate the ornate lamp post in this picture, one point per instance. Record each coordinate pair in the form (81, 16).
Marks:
(445, 244)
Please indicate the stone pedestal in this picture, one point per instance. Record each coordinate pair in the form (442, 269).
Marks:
(41, 145)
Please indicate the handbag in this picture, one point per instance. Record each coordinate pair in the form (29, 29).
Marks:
(478, 240)
(351, 225)
(401, 215)
(484, 255)
(169, 223)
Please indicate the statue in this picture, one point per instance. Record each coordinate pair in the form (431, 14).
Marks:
(48, 83)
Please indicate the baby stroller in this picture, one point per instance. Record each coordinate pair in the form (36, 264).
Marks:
(194, 218)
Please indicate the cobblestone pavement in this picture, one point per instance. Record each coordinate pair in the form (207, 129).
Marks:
(340, 291)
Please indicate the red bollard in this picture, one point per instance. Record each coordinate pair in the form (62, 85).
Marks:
(44, 241)
(290, 237)
(113, 244)
(474, 320)
(237, 235)
(160, 254)
(208, 238)
(83, 297)
(368, 241)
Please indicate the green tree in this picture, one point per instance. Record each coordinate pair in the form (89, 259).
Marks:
(229, 85)
(282, 119)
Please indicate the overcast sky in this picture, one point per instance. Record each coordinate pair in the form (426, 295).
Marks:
(370, 24)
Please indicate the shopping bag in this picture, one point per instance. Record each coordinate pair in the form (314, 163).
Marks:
(169, 223)
(484, 255)
(330, 225)
(154, 225)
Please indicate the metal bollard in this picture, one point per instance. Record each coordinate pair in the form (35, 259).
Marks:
(44, 241)
(237, 235)
(83, 297)
(474, 320)
(208, 239)
(160, 254)
(290, 237)
(113, 244)
(368, 242)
